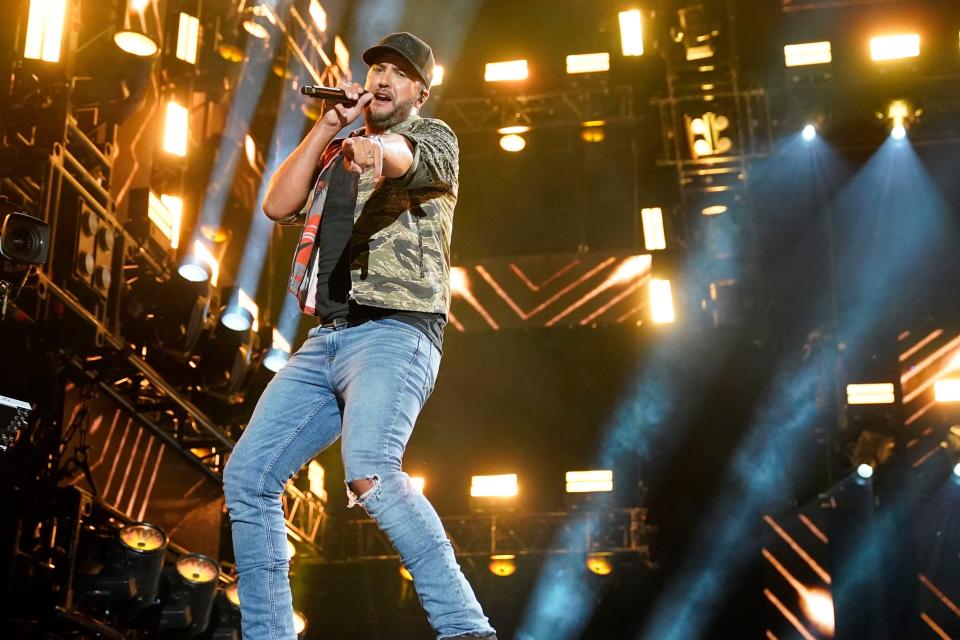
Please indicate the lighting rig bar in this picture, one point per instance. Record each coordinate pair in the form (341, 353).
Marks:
(622, 531)
(562, 109)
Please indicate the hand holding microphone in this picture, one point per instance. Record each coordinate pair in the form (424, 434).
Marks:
(348, 101)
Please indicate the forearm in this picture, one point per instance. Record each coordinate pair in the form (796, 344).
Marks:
(290, 184)
(397, 155)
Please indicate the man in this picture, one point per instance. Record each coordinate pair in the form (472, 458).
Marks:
(373, 264)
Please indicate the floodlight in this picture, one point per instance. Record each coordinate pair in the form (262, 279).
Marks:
(513, 143)
(631, 33)
(807, 53)
(895, 47)
(809, 133)
(588, 63)
(654, 236)
(661, 302)
(947, 390)
(45, 22)
(871, 393)
(600, 563)
(188, 38)
(510, 70)
(503, 565)
(176, 129)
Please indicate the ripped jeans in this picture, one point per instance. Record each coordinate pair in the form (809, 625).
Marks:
(366, 383)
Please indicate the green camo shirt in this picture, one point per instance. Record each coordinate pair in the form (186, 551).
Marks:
(400, 247)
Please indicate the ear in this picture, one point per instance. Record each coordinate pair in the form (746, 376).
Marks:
(424, 94)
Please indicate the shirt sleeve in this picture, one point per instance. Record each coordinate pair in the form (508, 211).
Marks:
(436, 157)
(298, 217)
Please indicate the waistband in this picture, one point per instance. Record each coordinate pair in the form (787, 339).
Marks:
(342, 323)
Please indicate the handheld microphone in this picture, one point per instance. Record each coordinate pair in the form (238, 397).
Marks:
(328, 93)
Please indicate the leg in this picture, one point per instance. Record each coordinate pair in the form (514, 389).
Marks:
(296, 417)
(385, 372)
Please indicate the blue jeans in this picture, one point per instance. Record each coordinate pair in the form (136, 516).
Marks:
(366, 383)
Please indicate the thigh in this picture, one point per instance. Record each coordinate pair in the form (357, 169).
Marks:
(296, 417)
(385, 372)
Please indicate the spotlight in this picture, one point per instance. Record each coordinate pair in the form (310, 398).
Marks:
(188, 37)
(493, 493)
(23, 238)
(600, 563)
(503, 565)
(589, 481)
(128, 568)
(191, 588)
(807, 53)
(871, 450)
(898, 132)
(947, 390)
(258, 20)
(593, 131)
(419, 483)
(654, 236)
(895, 47)
(511, 70)
(176, 129)
(661, 302)
(809, 133)
(631, 33)
(513, 143)
(45, 30)
(865, 470)
(203, 263)
(956, 470)
(133, 39)
(871, 393)
(588, 63)
(704, 134)
(241, 315)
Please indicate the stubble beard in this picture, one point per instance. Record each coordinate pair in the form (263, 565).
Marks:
(400, 112)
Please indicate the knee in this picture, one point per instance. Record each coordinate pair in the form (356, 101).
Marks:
(239, 481)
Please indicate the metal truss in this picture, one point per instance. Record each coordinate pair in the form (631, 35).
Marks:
(622, 531)
(570, 108)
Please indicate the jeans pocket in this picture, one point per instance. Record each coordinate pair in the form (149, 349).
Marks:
(399, 325)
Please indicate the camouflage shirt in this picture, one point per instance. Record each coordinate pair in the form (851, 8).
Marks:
(400, 247)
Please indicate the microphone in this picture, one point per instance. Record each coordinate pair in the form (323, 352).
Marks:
(328, 93)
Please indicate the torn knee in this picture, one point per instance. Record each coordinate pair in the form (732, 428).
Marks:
(361, 490)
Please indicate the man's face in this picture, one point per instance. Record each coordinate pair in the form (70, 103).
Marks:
(396, 90)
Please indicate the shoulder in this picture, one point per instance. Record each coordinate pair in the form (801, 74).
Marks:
(432, 126)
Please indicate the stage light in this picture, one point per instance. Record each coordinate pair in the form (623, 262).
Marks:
(898, 132)
(341, 54)
(243, 314)
(418, 483)
(405, 574)
(600, 563)
(250, 149)
(512, 142)
(128, 572)
(501, 486)
(232, 592)
(654, 236)
(593, 131)
(865, 470)
(631, 33)
(956, 470)
(817, 605)
(695, 32)
(258, 20)
(503, 565)
(201, 265)
(188, 36)
(318, 15)
(661, 302)
(947, 390)
(809, 133)
(459, 281)
(895, 47)
(299, 623)
(597, 481)
(807, 53)
(291, 549)
(24, 239)
(588, 63)
(45, 30)
(714, 210)
(136, 43)
(871, 393)
(871, 450)
(704, 134)
(166, 215)
(510, 70)
(438, 73)
(316, 476)
(192, 588)
(175, 130)
(279, 353)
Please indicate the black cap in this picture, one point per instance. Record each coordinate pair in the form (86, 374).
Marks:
(416, 51)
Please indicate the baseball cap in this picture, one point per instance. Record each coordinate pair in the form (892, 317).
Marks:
(417, 52)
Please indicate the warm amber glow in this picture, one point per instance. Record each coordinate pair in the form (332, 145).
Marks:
(714, 210)
(280, 342)
(600, 564)
(405, 574)
(166, 214)
(341, 54)
(598, 481)
(438, 73)
(503, 565)
(817, 605)
(631, 33)
(947, 390)
(418, 483)
(188, 36)
(459, 282)
(515, 129)
(175, 129)
(588, 63)
(250, 150)
(299, 623)
(45, 30)
(506, 71)
(136, 43)
(661, 302)
(203, 254)
(316, 474)
(871, 393)
(197, 568)
(143, 537)
(807, 53)
(291, 548)
(895, 47)
(654, 237)
(629, 270)
(232, 591)
(513, 143)
(318, 14)
(502, 486)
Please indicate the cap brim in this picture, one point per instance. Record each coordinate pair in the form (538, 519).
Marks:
(370, 56)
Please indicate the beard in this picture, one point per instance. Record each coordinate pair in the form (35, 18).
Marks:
(386, 119)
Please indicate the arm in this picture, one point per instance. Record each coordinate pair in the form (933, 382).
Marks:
(390, 155)
(290, 184)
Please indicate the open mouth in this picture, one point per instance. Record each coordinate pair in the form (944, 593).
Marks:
(382, 98)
